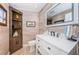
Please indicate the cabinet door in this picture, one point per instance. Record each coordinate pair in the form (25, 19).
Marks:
(14, 44)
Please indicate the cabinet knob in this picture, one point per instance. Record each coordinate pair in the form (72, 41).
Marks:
(49, 48)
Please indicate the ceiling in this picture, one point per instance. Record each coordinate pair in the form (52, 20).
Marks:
(33, 7)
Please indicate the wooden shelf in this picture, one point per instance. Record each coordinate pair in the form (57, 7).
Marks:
(16, 20)
(15, 30)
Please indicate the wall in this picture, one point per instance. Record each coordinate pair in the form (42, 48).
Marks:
(29, 33)
(42, 16)
(4, 33)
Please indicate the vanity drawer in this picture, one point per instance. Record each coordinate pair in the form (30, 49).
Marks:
(41, 43)
(54, 50)
(42, 50)
(51, 49)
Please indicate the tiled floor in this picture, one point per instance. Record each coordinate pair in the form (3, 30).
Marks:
(24, 51)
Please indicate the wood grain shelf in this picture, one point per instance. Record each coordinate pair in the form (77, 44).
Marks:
(16, 20)
(15, 26)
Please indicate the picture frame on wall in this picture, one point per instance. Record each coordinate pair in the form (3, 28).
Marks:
(3, 16)
(30, 23)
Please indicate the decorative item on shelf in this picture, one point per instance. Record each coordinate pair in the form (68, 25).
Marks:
(16, 25)
(30, 23)
(17, 16)
(15, 34)
(3, 16)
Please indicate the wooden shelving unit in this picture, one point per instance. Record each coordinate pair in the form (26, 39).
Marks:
(15, 30)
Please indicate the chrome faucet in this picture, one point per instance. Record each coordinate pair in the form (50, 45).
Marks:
(52, 33)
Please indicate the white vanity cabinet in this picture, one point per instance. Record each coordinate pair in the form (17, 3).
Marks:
(45, 46)
(40, 49)
(47, 49)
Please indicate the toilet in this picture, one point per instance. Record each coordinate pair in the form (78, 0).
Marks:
(32, 44)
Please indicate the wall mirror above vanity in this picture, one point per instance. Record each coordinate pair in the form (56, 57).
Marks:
(62, 14)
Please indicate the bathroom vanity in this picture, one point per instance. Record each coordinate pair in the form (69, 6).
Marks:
(49, 45)
(59, 18)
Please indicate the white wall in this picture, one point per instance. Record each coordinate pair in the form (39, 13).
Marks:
(29, 33)
(42, 16)
(4, 33)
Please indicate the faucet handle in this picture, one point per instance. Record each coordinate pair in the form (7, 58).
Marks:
(53, 33)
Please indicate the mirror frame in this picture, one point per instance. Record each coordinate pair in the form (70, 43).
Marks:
(75, 15)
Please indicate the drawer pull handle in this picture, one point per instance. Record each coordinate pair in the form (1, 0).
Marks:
(49, 48)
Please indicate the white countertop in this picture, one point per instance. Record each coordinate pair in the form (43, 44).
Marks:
(61, 43)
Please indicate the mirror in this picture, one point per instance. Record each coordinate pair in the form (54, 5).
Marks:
(62, 13)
